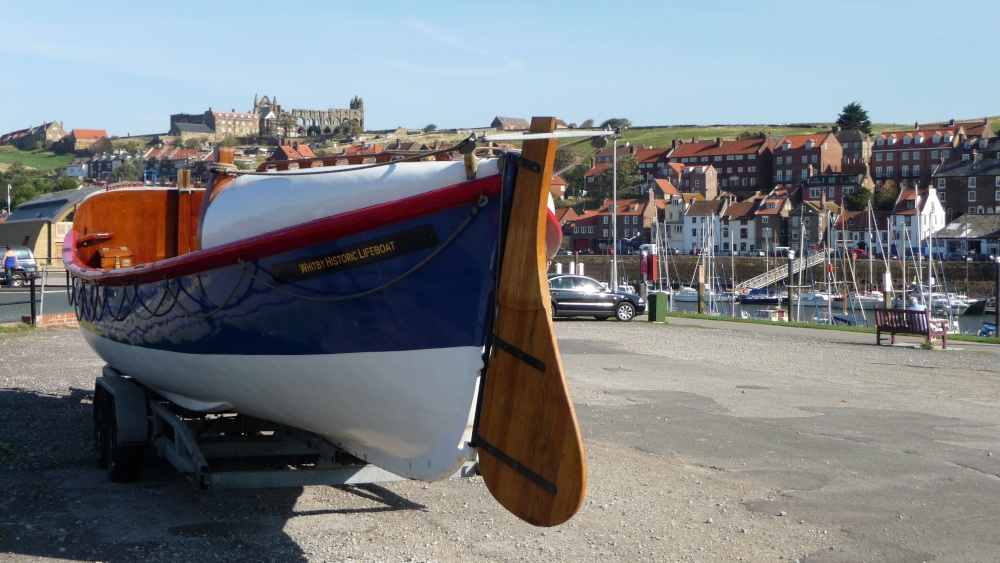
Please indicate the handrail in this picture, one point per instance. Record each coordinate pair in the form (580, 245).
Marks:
(781, 272)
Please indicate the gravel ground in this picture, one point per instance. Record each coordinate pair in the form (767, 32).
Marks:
(642, 504)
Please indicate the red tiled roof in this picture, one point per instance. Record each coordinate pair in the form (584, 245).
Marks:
(666, 187)
(711, 148)
(779, 204)
(90, 134)
(650, 155)
(799, 141)
(738, 210)
(705, 207)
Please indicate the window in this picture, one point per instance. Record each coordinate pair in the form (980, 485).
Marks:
(697, 183)
(805, 221)
(815, 159)
(604, 233)
(972, 210)
(915, 155)
(888, 156)
(805, 159)
(717, 159)
(576, 230)
(739, 157)
(729, 157)
(972, 182)
(906, 155)
(704, 159)
(605, 219)
(889, 171)
(815, 193)
(905, 170)
(934, 153)
(996, 195)
(781, 159)
(763, 220)
(998, 181)
(753, 181)
(878, 171)
(944, 154)
(725, 232)
(694, 232)
(916, 170)
(590, 230)
(972, 195)
(941, 183)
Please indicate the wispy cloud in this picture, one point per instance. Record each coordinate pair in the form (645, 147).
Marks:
(432, 58)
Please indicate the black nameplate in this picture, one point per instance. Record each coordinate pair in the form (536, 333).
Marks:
(367, 252)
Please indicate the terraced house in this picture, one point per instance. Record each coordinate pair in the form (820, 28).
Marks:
(743, 166)
(797, 157)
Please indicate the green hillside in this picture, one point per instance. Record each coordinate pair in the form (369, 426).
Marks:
(39, 160)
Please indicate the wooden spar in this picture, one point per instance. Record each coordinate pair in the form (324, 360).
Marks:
(530, 448)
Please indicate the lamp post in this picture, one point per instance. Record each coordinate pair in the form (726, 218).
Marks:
(791, 261)
(614, 212)
(996, 293)
(8, 199)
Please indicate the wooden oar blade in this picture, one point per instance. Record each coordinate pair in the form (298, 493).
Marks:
(531, 451)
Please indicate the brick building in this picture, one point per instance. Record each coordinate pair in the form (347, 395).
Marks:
(796, 157)
(743, 167)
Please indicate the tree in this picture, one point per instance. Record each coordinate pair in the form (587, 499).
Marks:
(128, 171)
(351, 128)
(229, 141)
(287, 123)
(100, 146)
(628, 179)
(885, 198)
(858, 201)
(193, 142)
(615, 123)
(430, 128)
(587, 124)
(853, 116)
(177, 143)
(745, 136)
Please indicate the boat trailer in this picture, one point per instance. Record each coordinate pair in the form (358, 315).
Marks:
(130, 420)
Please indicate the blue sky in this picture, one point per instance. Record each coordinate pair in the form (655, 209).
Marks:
(126, 66)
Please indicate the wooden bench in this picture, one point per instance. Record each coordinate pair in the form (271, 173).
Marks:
(903, 321)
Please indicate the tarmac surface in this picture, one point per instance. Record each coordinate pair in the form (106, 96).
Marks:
(706, 441)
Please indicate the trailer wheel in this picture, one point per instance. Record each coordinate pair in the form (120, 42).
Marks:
(123, 462)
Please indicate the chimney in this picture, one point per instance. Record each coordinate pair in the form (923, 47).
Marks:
(718, 141)
(916, 125)
(822, 200)
(673, 144)
(951, 123)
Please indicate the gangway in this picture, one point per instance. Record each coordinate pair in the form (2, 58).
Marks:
(780, 273)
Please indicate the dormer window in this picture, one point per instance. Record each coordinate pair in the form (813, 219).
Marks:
(907, 139)
(892, 140)
(920, 139)
(810, 144)
(948, 137)
(937, 138)
(909, 204)
(880, 141)
(982, 143)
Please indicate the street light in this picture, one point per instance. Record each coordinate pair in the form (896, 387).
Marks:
(791, 260)
(614, 209)
(8, 199)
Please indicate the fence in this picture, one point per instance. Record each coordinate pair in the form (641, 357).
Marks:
(38, 288)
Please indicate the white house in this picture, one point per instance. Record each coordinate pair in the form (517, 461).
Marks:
(915, 218)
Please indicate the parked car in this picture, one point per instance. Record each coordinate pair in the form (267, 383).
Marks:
(562, 252)
(860, 253)
(580, 296)
(753, 253)
(26, 269)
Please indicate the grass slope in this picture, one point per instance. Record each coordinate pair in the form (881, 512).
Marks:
(39, 160)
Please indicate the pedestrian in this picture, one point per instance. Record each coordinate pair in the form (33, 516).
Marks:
(915, 305)
(9, 263)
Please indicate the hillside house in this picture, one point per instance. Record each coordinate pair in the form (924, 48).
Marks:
(796, 157)
(742, 167)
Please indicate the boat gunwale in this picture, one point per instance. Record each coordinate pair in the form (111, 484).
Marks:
(287, 239)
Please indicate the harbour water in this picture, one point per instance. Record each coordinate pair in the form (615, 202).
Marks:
(969, 324)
